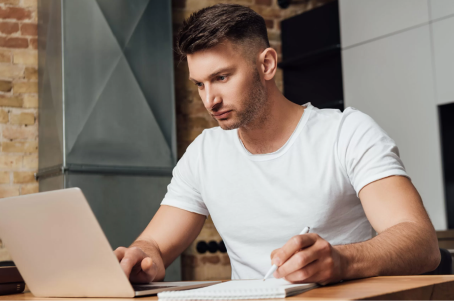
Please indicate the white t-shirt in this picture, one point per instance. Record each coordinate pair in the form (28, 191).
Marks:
(258, 202)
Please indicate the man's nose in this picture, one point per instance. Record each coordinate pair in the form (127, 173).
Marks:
(211, 98)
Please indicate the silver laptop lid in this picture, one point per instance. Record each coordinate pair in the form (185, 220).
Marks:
(58, 246)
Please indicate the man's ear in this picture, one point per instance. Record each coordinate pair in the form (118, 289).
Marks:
(268, 59)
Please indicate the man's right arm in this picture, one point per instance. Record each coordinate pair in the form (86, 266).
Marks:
(167, 235)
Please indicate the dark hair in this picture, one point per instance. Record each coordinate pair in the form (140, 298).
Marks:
(211, 25)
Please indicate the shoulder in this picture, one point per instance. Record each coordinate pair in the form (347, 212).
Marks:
(345, 128)
(355, 123)
(352, 119)
(358, 133)
(348, 119)
(323, 121)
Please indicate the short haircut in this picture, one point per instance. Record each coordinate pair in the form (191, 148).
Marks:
(212, 25)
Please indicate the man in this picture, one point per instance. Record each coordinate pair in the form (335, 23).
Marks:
(274, 167)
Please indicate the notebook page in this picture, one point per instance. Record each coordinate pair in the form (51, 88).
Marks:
(240, 289)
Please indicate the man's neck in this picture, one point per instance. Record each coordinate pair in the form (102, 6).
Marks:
(270, 131)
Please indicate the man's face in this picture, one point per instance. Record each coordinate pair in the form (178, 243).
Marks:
(229, 85)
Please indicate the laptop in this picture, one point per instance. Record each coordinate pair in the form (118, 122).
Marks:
(61, 251)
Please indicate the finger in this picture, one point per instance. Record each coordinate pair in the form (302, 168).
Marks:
(298, 261)
(120, 253)
(293, 245)
(149, 268)
(130, 259)
(127, 265)
(273, 253)
(306, 274)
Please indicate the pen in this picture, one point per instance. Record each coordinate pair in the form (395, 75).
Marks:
(274, 267)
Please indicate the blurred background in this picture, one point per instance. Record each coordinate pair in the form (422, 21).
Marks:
(92, 95)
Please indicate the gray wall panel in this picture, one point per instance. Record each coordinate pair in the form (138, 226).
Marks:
(391, 80)
(440, 8)
(442, 32)
(119, 100)
(363, 20)
(51, 183)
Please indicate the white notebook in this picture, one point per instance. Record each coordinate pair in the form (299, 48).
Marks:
(241, 289)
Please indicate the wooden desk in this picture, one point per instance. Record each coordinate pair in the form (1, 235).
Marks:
(375, 288)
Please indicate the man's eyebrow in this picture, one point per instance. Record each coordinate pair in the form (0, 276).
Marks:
(221, 70)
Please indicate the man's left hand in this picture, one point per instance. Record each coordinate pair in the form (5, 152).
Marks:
(308, 258)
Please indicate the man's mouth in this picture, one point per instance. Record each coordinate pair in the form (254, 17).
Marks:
(221, 115)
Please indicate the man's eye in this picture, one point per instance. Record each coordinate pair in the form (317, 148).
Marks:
(199, 84)
(222, 77)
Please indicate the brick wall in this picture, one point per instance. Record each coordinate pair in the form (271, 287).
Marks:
(18, 99)
(192, 117)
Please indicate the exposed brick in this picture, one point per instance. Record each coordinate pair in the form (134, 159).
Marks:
(25, 58)
(34, 43)
(13, 42)
(23, 177)
(30, 3)
(193, 5)
(263, 2)
(267, 12)
(20, 146)
(277, 46)
(9, 27)
(241, 2)
(22, 118)
(5, 56)
(179, 16)
(269, 23)
(197, 122)
(212, 259)
(10, 101)
(225, 260)
(29, 29)
(30, 101)
(31, 73)
(25, 87)
(294, 10)
(274, 36)
(5, 177)
(5, 86)
(11, 71)
(29, 188)
(189, 261)
(279, 79)
(10, 2)
(17, 132)
(16, 13)
(30, 161)
(8, 191)
(4, 116)
(10, 162)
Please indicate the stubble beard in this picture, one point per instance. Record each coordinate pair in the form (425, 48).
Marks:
(253, 106)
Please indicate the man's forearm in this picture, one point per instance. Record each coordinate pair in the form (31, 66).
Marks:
(153, 251)
(404, 249)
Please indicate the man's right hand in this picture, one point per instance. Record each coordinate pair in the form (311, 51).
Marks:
(138, 266)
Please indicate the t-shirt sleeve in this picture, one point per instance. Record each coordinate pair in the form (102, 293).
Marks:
(366, 151)
(184, 190)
